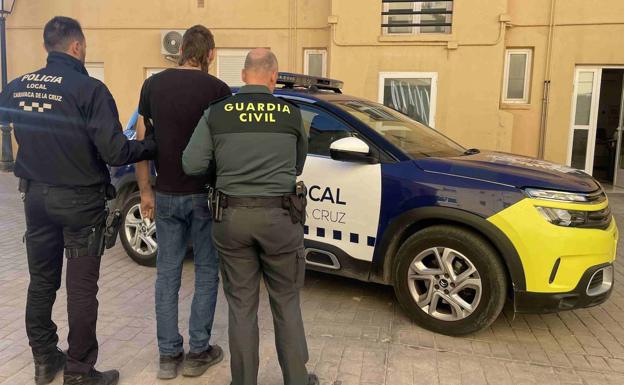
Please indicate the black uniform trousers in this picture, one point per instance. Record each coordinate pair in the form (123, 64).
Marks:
(58, 218)
(254, 242)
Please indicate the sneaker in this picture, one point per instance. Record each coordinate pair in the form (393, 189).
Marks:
(169, 366)
(48, 365)
(313, 379)
(196, 364)
(94, 377)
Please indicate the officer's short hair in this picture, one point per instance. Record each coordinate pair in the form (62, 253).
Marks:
(264, 62)
(60, 32)
(197, 43)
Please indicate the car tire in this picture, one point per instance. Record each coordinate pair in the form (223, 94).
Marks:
(139, 247)
(449, 262)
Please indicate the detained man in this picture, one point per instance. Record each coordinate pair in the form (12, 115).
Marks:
(173, 101)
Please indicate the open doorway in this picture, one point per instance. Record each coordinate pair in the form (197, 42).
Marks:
(607, 127)
(596, 143)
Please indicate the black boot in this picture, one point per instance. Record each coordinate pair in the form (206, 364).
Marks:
(47, 365)
(94, 377)
(196, 364)
(168, 368)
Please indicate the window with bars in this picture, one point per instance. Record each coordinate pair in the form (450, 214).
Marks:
(415, 17)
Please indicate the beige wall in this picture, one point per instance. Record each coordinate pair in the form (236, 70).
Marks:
(125, 36)
(583, 34)
(468, 92)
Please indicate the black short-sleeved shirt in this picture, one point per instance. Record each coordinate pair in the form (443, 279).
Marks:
(174, 100)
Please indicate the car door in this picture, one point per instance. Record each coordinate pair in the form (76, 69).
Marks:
(343, 197)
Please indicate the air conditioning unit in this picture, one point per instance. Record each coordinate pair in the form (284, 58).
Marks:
(171, 42)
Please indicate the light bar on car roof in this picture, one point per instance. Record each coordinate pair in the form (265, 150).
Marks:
(290, 80)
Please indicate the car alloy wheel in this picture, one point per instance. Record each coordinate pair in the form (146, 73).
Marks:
(444, 283)
(141, 236)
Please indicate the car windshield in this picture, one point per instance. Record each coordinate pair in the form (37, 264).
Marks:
(413, 138)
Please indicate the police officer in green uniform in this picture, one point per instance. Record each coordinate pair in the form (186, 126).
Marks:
(258, 145)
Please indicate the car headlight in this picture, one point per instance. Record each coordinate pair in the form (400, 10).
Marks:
(559, 196)
(563, 217)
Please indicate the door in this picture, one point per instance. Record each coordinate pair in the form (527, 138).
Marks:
(344, 198)
(618, 177)
(584, 118)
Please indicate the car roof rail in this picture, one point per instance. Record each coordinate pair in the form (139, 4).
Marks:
(313, 83)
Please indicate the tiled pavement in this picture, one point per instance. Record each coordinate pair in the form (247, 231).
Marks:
(356, 332)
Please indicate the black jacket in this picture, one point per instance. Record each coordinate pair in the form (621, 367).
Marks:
(67, 126)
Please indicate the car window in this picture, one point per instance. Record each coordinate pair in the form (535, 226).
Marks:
(413, 138)
(323, 129)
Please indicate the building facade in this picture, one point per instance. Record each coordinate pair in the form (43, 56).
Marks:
(541, 78)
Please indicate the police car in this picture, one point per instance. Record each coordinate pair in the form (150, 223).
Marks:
(455, 231)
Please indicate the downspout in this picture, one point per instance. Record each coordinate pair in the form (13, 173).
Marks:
(546, 90)
(290, 35)
(296, 38)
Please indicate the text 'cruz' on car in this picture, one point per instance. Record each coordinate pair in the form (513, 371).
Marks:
(456, 232)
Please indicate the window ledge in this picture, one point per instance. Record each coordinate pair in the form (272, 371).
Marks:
(421, 37)
(516, 106)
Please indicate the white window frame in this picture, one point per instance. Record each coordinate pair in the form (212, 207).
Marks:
(306, 60)
(99, 66)
(416, 19)
(527, 75)
(150, 71)
(592, 126)
(221, 52)
(433, 76)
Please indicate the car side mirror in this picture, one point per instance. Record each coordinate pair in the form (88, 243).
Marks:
(352, 149)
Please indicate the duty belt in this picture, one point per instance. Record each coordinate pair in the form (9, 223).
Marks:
(295, 203)
(107, 189)
(253, 202)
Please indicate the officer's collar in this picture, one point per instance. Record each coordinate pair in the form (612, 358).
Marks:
(254, 89)
(65, 59)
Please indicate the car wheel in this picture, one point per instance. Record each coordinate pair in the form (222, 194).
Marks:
(138, 238)
(450, 280)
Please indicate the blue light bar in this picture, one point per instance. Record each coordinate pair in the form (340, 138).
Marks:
(290, 80)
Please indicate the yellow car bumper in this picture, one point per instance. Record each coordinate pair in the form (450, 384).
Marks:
(557, 260)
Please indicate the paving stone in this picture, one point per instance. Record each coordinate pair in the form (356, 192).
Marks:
(357, 333)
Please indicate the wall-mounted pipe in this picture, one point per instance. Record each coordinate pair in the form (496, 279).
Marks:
(546, 89)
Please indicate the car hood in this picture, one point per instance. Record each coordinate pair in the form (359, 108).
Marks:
(514, 170)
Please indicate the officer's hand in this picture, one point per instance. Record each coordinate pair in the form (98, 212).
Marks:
(147, 204)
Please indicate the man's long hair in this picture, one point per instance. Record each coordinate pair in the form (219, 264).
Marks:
(197, 43)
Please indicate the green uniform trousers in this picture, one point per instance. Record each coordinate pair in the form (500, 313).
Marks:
(255, 242)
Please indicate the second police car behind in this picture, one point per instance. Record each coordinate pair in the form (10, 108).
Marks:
(456, 232)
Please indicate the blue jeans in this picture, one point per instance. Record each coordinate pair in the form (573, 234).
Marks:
(179, 217)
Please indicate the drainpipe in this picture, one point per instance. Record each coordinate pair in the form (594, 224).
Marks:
(293, 35)
(290, 35)
(296, 37)
(546, 90)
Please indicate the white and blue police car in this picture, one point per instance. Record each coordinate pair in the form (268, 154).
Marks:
(455, 231)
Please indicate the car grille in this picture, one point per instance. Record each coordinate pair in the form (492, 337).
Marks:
(600, 219)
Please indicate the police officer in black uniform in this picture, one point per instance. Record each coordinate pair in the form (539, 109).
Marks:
(258, 145)
(68, 130)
